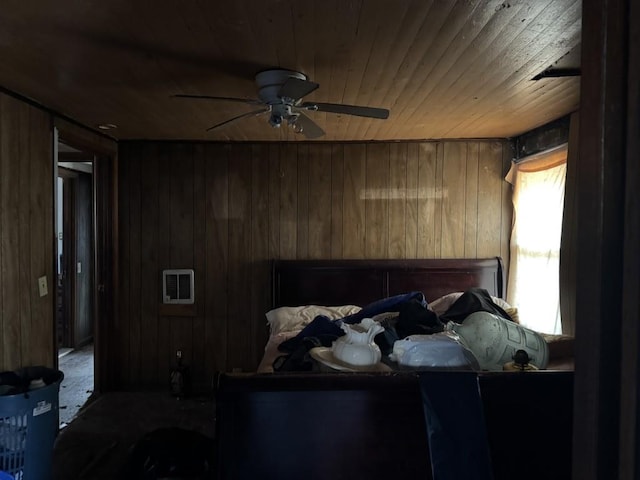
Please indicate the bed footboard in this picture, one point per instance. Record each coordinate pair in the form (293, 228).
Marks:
(320, 426)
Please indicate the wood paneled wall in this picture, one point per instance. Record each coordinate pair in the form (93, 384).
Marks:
(26, 235)
(226, 210)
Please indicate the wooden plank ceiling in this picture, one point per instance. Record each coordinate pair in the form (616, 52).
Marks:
(444, 68)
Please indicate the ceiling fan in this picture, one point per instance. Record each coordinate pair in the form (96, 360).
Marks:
(280, 95)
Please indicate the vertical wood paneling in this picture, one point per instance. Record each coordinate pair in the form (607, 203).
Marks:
(217, 250)
(490, 183)
(41, 212)
(273, 161)
(413, 200)
(429, 201)
(181, 249)
(239, 331)
(320, 210)
(471, 201)
(26, 235)
(302, 209)
(227, 210)
(150, 295)
(453, 199)
(440, 192)
(182, 217)
(337, 201)
(260, 296)
(354, 214)
(398, 200)
(288, 200)
(199, 369)
(123, 319)
(135, 262)
(12, 115)
(165, 173)
(376, 196)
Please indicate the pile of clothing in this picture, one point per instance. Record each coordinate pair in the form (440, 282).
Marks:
(400, 315)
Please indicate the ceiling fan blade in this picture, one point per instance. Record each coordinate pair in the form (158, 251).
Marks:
(231, 120)
(296, 88)
(249, 101)
(308, 127)
(370, 112)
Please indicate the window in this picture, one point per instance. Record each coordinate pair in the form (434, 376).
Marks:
(534, 269)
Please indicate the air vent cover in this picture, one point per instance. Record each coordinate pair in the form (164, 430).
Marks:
(177, 286)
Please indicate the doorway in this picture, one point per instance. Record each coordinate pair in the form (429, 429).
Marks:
(75, 322)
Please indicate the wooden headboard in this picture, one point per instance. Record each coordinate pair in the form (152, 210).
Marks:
(360, 282)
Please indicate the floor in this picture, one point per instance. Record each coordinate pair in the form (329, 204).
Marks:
(100, 442)
(101, 438)
(77, 384)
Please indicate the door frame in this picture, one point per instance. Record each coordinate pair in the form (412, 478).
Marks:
(606, 431)
(104, 236)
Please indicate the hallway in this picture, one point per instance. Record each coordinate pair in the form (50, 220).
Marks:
(77, 385)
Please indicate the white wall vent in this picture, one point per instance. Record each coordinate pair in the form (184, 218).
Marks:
(177, 286)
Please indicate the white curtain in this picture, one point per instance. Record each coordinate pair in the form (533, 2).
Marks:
(534, 269)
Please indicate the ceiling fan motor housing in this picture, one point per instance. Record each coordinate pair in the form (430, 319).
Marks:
(269, 83)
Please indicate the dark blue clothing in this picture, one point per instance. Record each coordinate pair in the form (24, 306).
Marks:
(453, 411)
(389, 304)
(321, 325)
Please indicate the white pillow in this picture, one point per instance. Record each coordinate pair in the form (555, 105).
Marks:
(284, 319)
(442, 304)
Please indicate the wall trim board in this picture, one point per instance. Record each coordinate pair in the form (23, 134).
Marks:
(314, 142)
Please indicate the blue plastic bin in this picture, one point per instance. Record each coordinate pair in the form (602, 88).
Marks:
(29, 424)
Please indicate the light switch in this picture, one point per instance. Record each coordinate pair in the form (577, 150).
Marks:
(79, 269)
(42, 286)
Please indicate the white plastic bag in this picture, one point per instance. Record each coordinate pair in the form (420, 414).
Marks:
(440, 350)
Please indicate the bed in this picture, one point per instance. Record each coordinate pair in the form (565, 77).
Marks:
(333, 425)
(303, 289)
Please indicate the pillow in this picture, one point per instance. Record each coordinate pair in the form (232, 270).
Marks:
(442, 304)
(284, 319)
(511, 311)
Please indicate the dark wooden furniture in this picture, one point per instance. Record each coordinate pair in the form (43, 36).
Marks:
(320, 427)
(349, 426)
(359, 282)
(357, 425)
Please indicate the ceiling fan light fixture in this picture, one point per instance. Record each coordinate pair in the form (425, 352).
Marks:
(293, 123)
(275, 120)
